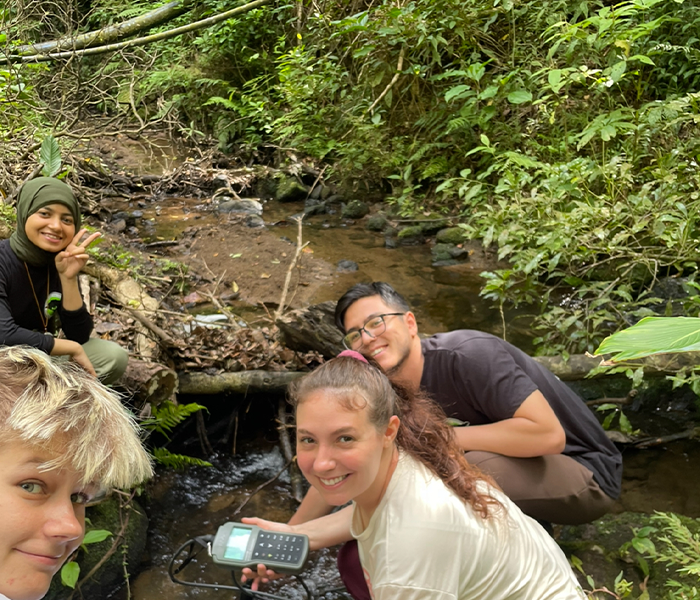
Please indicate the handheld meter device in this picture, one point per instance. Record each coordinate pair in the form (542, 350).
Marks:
(237, 545)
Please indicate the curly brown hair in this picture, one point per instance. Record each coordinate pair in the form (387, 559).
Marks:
(423, 432)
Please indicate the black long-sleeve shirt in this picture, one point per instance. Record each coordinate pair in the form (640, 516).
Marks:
(20, 317)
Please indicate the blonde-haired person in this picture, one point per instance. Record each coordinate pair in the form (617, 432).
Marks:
(64, 437)
(429, 526)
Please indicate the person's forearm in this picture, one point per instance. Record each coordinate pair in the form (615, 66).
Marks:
(65, 348)
(312, 507)
(516, 437)
(330, 530)
(70, 292)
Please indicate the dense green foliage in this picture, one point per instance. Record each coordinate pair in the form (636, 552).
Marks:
(564, 132)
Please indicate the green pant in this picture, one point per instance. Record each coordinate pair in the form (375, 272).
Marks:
(108, 359)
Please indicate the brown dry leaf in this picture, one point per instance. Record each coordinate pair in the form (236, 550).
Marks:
(265, 276)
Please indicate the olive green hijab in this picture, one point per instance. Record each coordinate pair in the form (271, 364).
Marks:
(34, 195)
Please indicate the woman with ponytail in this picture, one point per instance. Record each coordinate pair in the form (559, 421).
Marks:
(427, 524)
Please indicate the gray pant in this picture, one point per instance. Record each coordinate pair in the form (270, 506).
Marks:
(108, 359)
(552, 488)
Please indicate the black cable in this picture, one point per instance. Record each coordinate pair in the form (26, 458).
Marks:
(204, 541)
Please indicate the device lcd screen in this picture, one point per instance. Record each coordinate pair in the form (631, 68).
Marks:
(237, 543)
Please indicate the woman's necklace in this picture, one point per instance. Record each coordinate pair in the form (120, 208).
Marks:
(44, 319)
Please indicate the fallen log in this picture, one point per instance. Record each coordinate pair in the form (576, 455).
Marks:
(242, 382)
(149, 382)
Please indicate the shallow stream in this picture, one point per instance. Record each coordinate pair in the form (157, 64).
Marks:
(183, 505)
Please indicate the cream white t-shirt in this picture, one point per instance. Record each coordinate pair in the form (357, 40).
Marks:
(424, 543)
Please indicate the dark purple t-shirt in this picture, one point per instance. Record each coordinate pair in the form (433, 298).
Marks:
(479, 378)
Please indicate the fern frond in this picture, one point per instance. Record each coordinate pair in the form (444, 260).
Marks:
(177, 461)
(168, 415)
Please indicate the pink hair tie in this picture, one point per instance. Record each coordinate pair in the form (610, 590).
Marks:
(353, 354)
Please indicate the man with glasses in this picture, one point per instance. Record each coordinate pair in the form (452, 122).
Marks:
(522, 425)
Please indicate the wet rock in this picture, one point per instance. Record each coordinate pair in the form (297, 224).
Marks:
(246, 206)
(110, 575)
(334, 204)
(347, 266)
(433, 225)
(314, 206)
(671, 288)
(450, 235)
(390, 242)
(119, 225)
(228, 297)
(316, 192)
(355, 209)
(220, 181)
(290, 190)
(410, 236)
(448, 253)
(377, 222)
(312, 328)
(137, 214)
(254, 221)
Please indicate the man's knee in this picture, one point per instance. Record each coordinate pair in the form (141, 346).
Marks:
(108, 358)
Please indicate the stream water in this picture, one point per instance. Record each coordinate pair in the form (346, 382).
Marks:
(196, 502)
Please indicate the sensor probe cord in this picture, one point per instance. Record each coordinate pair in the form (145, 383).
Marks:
(204, 541)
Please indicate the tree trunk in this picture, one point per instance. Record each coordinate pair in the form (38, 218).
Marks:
(243, 382)
(112, 33)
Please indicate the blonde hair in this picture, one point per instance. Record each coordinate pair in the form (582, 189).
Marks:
(60, 407)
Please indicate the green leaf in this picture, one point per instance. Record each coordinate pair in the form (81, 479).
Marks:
(457, 91)
(607, 133)
(554, 77)
(519, 97)
(644, 546)
(642, 58)
(50, 156)
(69, 574)
(485, 140)
(618, 70)
(96, 535)
(489, 92)
(653, 335)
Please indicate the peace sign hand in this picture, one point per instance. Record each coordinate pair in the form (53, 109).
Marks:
(71, 261)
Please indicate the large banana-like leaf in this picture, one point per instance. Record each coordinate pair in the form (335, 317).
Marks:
(50, 155)
(653, 335)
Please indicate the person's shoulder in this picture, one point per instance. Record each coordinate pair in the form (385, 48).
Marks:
(460, 341)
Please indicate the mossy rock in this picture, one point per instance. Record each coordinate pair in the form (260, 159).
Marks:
(604, 549)
(355, 209)
(410, 236)
(290, 190)
(377, 222)
(110, 576)
(450, 235)
(434, 224)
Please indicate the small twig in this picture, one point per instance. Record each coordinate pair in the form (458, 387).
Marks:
(260, 487)
(146, 322)
(288, 278)
(294, 475)
(202, 435)
(689, 434)
(394, 79)
(626, 400)
(115, 544)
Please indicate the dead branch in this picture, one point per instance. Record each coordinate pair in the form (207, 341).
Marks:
(113, 32)
(394, 79)
(288, 277)
(285, 444)
(142, 41)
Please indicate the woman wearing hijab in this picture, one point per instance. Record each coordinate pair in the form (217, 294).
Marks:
(39, 292)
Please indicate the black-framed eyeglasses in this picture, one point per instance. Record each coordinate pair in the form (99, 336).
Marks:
(373, 327)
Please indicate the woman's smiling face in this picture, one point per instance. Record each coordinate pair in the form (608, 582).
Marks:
(43, 520)
(51, 228)
(339, 450)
